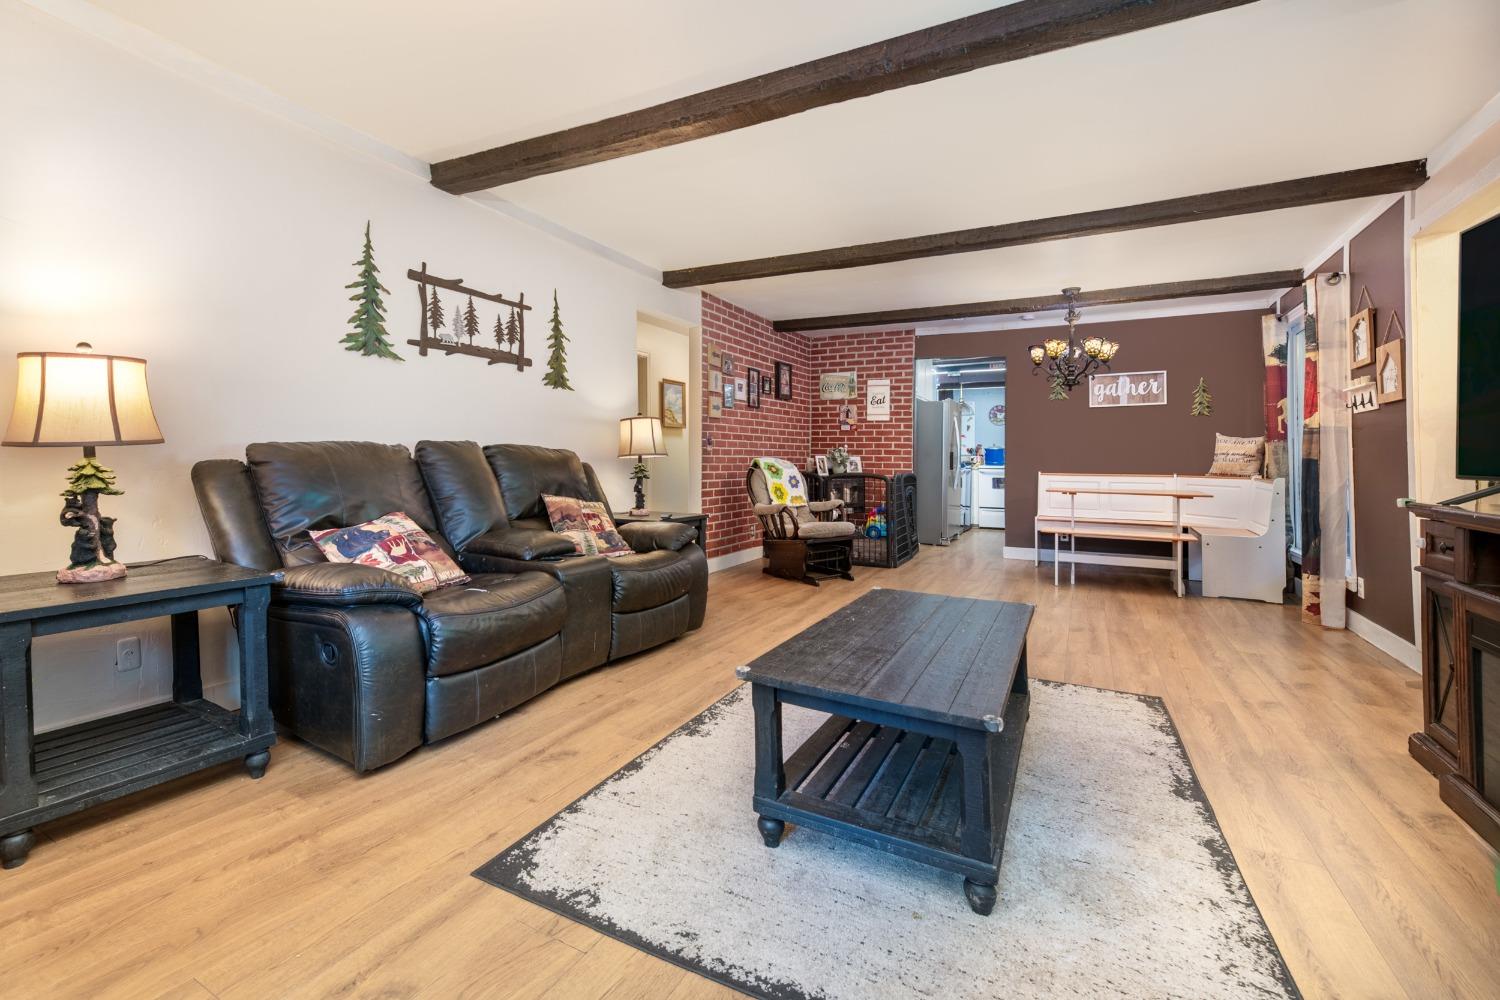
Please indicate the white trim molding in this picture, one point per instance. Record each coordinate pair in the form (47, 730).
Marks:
(729, 560)
(1385, 640)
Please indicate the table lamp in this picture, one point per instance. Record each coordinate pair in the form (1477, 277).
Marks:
(83, 400)
(641, 438)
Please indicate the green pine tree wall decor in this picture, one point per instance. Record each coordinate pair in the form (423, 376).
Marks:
(1058, 391)
(557, 361)
(368, 335)
(1203, 400)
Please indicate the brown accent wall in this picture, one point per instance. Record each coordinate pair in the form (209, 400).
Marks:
(1043, 435)
(1382, 545)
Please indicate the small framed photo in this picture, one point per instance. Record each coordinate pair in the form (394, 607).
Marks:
(673, 403)
(855, 465)
(741, 393)
(715, 381)
(728, 394)
(715, 406)
(766, 386)
(752, 388)
(728, 365)
(1361, 338)
(1390, 372)
(715, 358)
(822, 465)
(783, 380)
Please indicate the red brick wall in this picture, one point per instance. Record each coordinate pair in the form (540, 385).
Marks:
(885, 446)
(779, 428)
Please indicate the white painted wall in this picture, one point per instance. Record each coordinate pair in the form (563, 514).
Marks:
(986, 434)
(154, 216)
(671, 486)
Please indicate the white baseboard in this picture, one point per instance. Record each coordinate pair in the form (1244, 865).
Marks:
(1094, 558)
(1384, 640)
(731, 559)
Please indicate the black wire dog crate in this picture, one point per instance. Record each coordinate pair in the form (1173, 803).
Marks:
(883, 511)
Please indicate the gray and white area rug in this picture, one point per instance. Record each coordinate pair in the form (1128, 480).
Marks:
(1116, 879)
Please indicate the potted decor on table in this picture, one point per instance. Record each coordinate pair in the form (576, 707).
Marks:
(838, 460)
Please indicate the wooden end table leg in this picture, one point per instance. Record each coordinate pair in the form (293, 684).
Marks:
(187, 669)
(17, 780)
(255, 696)
(770, 772)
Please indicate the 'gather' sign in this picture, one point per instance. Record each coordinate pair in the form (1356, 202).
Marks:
(1128, 389)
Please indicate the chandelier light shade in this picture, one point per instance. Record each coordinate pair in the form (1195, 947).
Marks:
(1068, 362)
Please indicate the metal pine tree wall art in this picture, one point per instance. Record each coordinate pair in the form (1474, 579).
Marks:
(557, 360)
(463, 335)
(367, 333)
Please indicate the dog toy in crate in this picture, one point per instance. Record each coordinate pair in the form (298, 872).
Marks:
(875, 526)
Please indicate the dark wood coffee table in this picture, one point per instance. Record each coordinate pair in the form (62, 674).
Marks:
(928, 697)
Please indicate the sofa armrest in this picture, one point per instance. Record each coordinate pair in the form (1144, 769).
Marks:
(521, 543)
(648, 536)
(343, 585)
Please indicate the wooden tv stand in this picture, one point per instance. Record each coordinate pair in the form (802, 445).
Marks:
(1460, 640)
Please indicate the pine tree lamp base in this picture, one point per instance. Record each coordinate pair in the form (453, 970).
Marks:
(92, 559)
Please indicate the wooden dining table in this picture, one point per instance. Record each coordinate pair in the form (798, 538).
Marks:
(1072, 493)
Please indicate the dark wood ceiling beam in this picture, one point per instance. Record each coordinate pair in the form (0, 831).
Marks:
(1265, 281)
(1015, 31)
(1346, 185)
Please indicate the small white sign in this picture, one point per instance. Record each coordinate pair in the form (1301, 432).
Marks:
(838, 385)
(1128, 389)
(878, 399)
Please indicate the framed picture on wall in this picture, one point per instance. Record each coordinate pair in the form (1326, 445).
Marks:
(715, 357)
(822, 465)
(673, 403)
(1361, 338)
(855, 464)
(729, 394)
(752, 388)
(715, 406)
(740, 390)
(715, 381)
(766, 385)
(783, 380)
(1390, 372)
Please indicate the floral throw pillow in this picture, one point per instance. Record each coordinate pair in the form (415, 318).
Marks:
(569, 514)
(395, 544)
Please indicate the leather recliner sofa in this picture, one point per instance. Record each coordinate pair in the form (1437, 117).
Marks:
(365, 667)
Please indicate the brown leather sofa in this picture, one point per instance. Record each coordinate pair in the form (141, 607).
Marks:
(365, 667)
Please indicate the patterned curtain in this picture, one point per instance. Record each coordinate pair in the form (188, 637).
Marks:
(1273, 339)
(1325, 452)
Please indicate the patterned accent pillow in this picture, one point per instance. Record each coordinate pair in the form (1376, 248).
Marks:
(583, 541)
(395, 544)
(1238, 456)
(569, 514)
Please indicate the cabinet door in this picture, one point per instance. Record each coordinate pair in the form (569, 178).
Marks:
(1440, 650)
(1479, 727)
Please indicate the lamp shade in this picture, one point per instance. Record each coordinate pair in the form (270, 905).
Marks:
(80, 400)
(641, 436)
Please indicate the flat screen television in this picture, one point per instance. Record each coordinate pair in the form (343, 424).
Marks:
(1479, 352)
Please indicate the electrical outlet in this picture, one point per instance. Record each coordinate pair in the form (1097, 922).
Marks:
(128, 653)
(1361, 587)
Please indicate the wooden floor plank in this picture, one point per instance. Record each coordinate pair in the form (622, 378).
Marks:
(315, 881)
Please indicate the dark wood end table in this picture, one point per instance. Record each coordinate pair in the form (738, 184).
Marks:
(43, 777)
(928, 699)
(698, 521)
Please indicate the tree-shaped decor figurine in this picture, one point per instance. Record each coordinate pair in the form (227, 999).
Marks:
(557, 361)
(93, 555)
(1203, 400)
(367, 334)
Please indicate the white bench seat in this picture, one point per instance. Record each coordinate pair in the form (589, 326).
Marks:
(1127, 532)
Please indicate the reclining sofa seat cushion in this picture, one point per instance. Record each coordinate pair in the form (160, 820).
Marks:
(494, 616)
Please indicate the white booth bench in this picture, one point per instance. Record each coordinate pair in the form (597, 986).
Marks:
(1236, 534)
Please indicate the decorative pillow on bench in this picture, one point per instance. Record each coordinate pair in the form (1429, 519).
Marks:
(574, 518)
(395, 544)
(1238, 456)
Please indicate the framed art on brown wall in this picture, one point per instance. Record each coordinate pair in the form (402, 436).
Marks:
(1390, 373)
(1362, 338)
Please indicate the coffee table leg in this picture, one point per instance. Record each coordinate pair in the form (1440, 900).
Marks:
(981, 896)
(770, 772)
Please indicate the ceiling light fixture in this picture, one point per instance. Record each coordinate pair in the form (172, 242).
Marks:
(1068, 362)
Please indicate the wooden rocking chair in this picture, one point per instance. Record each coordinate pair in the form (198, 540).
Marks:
(801, 541)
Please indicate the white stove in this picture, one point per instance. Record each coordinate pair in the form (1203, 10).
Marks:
(989, 496)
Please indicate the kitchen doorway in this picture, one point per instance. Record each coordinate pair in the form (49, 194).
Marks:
(976, 387)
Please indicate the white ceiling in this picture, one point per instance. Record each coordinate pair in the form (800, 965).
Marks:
(1271, 91)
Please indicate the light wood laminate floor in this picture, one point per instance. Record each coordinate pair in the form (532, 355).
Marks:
(315, 882)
